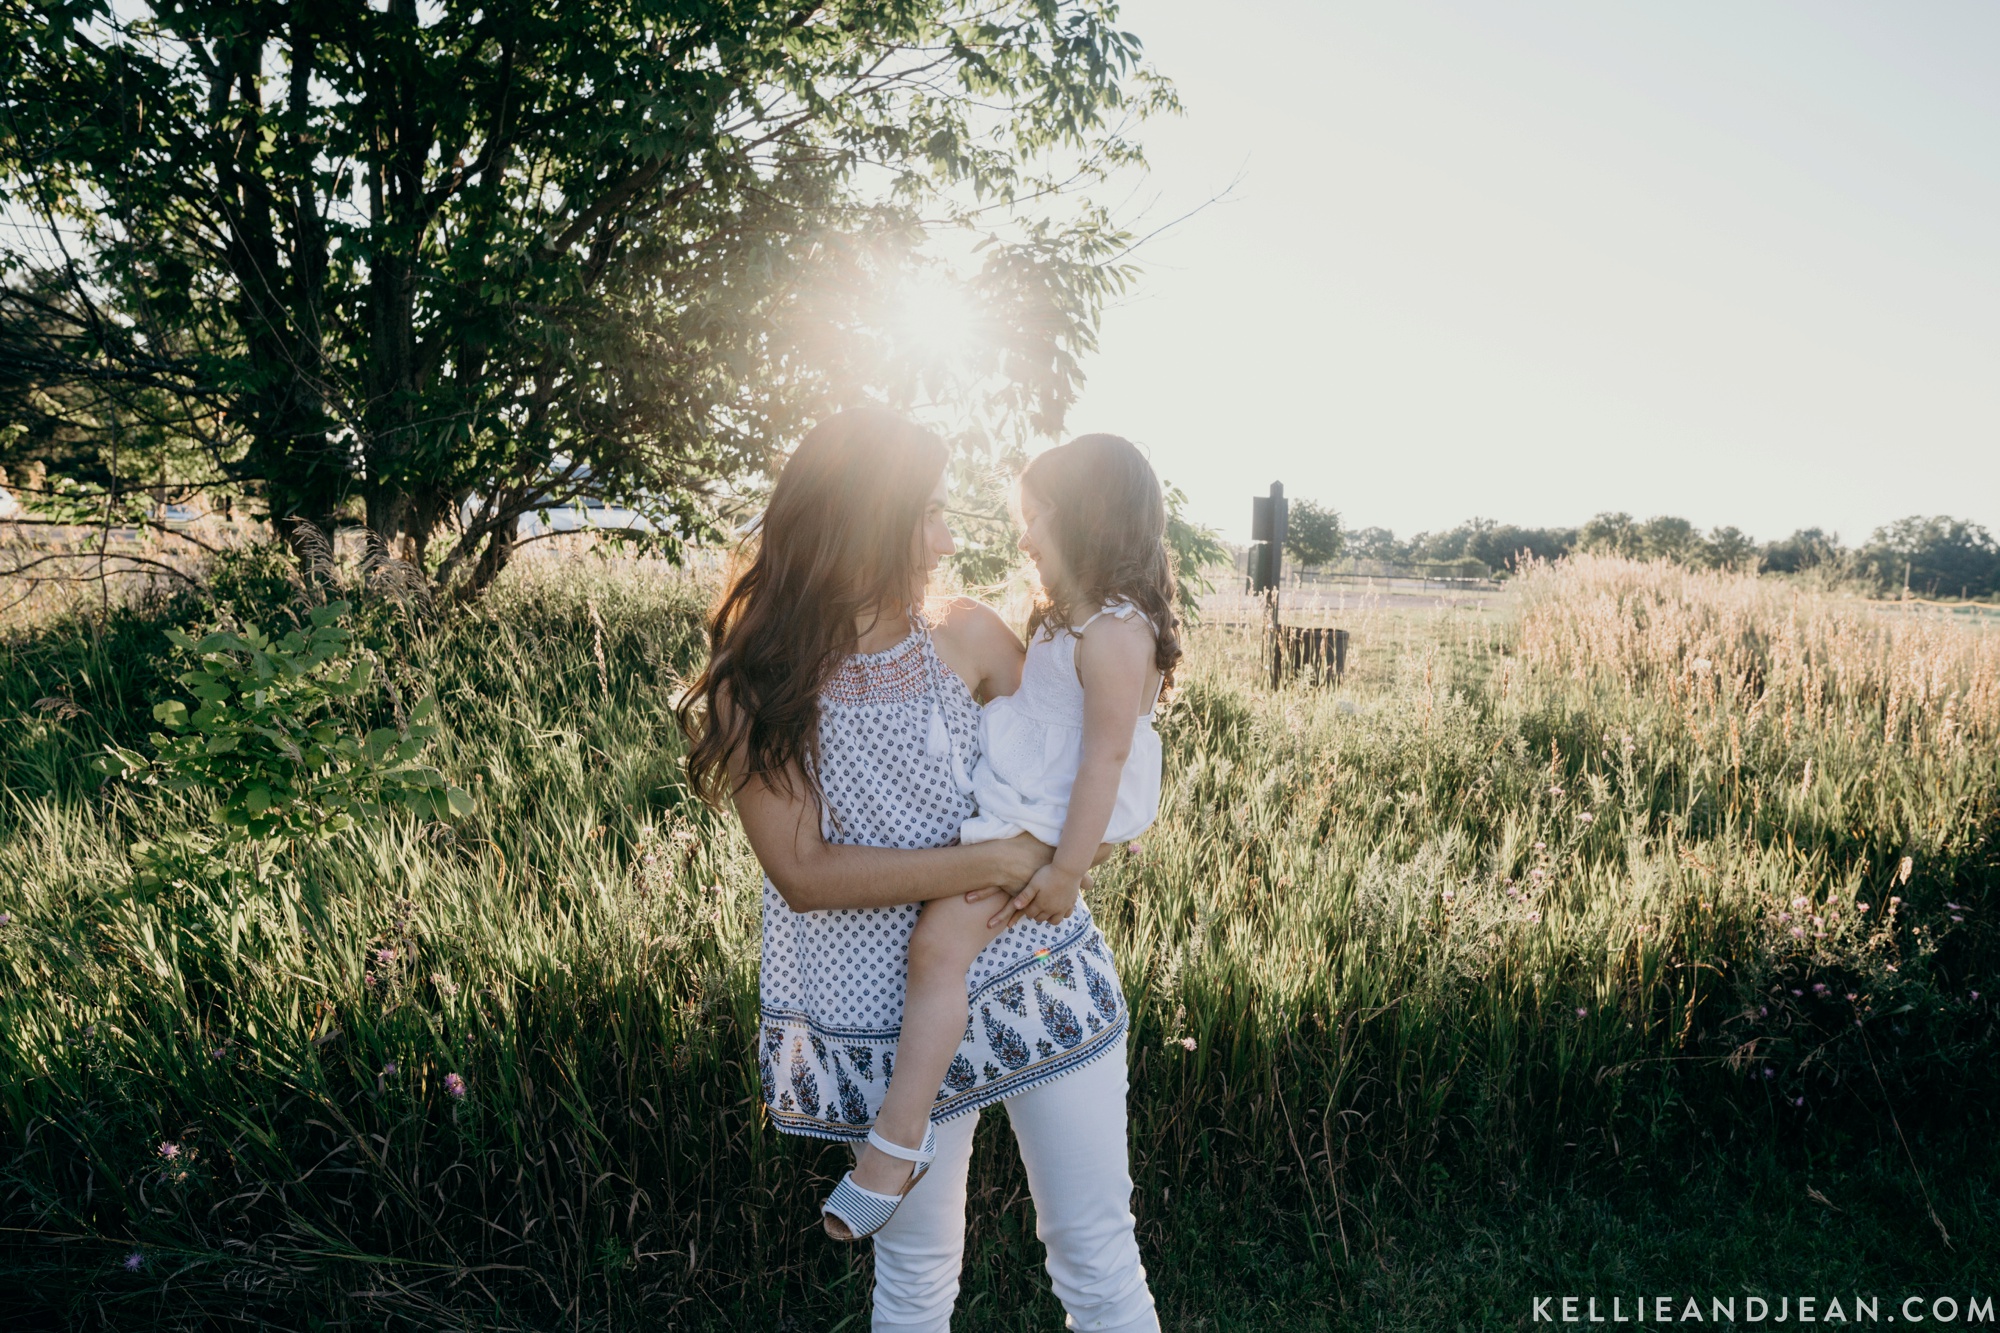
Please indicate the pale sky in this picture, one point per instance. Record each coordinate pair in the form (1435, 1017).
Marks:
(1738, 262)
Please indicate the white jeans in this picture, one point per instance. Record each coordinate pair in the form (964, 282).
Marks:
(1071, 1134)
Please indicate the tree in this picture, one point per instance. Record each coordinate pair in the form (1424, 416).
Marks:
(1503, 545)
(1934, 557)
(1196, 550)
(1313, 534)
(1611, 534)
(1669, 538)
(1729, 548)
(1808, 548)
(1376, 544)
(460, 262)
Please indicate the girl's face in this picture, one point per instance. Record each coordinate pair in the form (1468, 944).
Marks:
(1038, 537)
(933, 539)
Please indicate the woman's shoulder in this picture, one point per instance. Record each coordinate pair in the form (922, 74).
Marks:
(969, 629)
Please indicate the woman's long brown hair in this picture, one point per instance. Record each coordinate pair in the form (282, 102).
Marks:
(1110, 528)
(837, 542)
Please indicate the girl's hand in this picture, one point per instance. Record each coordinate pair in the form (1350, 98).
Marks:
(1105, 851)
(1015, 861)
(1049, 897)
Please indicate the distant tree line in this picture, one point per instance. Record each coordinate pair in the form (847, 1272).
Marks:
(1932, 557)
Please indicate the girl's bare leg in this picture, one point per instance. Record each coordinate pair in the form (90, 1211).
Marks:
(948, 937)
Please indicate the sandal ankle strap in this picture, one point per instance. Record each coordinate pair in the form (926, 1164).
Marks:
(923, 1154)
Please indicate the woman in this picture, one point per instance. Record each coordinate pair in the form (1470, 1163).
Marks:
(843, 724)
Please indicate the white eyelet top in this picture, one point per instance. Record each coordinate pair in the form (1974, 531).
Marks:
(899, 741)
(1031, 745)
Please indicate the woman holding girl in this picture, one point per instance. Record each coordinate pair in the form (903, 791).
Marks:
(840, 713)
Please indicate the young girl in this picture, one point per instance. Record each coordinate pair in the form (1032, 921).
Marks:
(1071, 758)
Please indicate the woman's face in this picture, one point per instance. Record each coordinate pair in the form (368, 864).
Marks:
(1038, 538)
(933, 539)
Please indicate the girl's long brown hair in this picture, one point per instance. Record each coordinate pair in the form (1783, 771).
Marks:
(837, 542)
(1110, 528)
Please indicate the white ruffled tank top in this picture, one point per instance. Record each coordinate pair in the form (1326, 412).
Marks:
(1031, 745)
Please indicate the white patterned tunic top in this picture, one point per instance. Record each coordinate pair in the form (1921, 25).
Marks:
(899, 735)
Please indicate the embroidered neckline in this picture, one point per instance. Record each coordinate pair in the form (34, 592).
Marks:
(897, 674)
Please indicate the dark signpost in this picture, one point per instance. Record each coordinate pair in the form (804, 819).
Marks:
(1267, 542)
(1323, 652)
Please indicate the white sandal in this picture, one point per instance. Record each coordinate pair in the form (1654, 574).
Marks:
(864, 1212)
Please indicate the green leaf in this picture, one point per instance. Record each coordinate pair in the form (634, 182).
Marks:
(219, 745)
(210, 692)
(257, 799)
(380, 742)
(425, 711)
(460, 800)
(173, 713)
(326, 615)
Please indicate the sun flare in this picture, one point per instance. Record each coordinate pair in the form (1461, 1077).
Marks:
(934, 317)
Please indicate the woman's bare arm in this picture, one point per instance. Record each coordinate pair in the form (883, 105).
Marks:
(812, 874)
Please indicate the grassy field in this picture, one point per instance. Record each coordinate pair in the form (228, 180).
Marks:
(1630, 938)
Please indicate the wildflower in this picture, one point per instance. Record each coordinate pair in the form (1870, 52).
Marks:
(455, 1085)
(1448, 895)
(1586, 818)
(1581, 1012)
(1770, 1072)
(6, 918)
(1798, 1101)
(1799, 904)
(1135, 847)
(134, 1262)
(1974, 994)
(1541, 846)
(1956, 917)
(1850, 995)
(1784, 916)
(1956, 907)
(1797, 991)
(1555, 791)
(170, 1150)
(385, 956)
(1819, 988)
(389, 1070)
(1537, 873)
(1895, 902)
(367, 978)
(1534, 918)
(1763, 1011)
(1798, 933)
(218, 1052)
(1861, 907)
(1187, 1043)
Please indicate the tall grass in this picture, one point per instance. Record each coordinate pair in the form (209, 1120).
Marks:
(1667, 864)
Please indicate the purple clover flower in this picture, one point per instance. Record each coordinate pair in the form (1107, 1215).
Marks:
(455, 1085)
